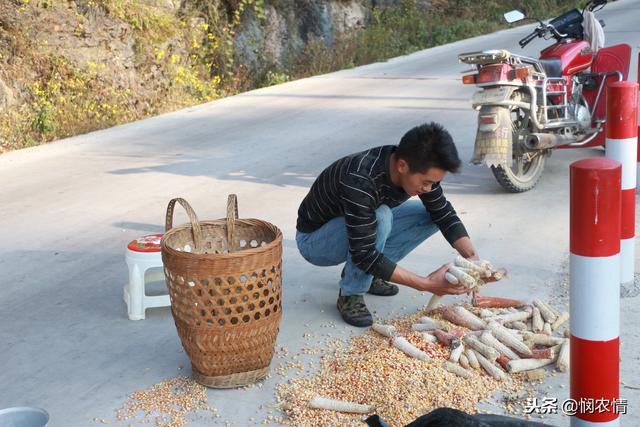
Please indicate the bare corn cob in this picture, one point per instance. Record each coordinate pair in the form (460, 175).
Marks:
(491, 369)
(468, 265)
(546, 329)
(520, 326)
(491, 341)
(484, 264)
(536, 374)
(409, 349)
(508, 339)
(457, 369)
(339, 405)
(463, 278)
(473, 360)
(484, 313)
(433, 302)
(471, 318)
(456, 352)
(541, 339)
(562, 363)
(429, 337)
(388, 331)
(489, 352)
(545, 311)
(537, 324)
(520, 365)
(426, 320)
(419, 327)
(451, 278)
(460, 318)
(512, 317)
(564, 316)
(464, 361)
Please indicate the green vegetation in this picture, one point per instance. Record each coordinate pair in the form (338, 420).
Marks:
(187, 55)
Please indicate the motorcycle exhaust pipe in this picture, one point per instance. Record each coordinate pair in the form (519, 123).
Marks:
(543, 141)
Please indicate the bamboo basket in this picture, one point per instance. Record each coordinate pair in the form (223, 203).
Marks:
(225, 280)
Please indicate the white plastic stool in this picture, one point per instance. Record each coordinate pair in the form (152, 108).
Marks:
(143, 254)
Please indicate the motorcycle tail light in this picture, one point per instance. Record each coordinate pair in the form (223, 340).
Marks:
(488, 119)
(521, 73)
(469, 79)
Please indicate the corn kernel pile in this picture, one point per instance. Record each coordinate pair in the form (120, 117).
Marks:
(371, 371)
(167, 403)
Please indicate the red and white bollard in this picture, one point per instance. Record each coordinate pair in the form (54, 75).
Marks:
(595, 289)
(622, 145)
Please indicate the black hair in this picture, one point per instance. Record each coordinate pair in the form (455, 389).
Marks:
(426, 146)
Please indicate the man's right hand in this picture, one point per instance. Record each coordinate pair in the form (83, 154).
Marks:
(438, 285)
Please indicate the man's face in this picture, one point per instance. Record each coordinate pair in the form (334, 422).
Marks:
(415, 184)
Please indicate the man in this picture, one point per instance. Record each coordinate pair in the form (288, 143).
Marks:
(357, 212)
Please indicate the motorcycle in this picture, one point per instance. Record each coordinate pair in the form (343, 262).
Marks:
(527, 107)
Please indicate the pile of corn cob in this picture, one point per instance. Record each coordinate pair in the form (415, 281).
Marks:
(473, 275)
(501, 337)
(373, 373)
(511, 337)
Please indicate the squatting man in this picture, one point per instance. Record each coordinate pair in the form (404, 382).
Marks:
(358, 212)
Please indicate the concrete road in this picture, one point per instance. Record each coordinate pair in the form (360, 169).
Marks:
(69, 208)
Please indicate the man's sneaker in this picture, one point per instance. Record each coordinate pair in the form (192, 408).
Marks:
(354, 311)
(382, 288)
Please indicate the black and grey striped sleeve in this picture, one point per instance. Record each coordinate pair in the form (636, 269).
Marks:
(443, 214)
(359, 200)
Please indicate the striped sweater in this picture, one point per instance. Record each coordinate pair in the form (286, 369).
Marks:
(354, 187)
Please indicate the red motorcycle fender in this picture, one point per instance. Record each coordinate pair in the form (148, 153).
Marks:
(612, 58)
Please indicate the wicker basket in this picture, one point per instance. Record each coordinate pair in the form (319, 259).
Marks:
(225, 280)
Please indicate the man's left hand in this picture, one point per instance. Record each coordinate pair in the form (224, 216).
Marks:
(465, 248)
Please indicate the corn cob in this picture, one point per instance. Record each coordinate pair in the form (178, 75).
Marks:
(409, 349)
(545, 311)
(562, 364)
(564, 316)
(508, 339)
(388, 331)
(491, 369)
(339, 405)
(457, 369)
(473, 360)
(489, 352)
(491, 341)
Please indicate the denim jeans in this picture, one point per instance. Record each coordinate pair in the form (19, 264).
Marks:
(400, 230)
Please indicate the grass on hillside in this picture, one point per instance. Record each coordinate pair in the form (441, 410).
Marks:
(189, 58)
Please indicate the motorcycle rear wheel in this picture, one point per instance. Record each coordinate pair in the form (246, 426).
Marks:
(526, 167)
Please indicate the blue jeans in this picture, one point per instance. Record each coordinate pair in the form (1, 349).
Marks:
(400, 230)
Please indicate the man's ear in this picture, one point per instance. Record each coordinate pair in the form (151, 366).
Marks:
(403, 166)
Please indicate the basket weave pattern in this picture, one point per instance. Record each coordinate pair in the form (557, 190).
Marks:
(225, 298)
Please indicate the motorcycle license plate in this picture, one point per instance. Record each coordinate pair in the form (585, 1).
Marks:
(489, 96)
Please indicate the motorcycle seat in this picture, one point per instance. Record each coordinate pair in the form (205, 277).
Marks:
(553, 67)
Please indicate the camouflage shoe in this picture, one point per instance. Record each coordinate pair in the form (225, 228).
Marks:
(382, 288)
(354, 311)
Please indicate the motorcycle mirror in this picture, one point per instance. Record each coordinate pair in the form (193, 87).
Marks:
(514, 16)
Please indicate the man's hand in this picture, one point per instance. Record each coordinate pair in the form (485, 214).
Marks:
(434, 282)
(465, 248)
(438, 285)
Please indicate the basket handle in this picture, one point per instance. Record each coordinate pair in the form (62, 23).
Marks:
(195, 224)
(232, 215)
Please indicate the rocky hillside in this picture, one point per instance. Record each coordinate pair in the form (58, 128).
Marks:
(69, 67)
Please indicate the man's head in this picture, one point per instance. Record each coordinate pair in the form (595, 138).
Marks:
(424, 156)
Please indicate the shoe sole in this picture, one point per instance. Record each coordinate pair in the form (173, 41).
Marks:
(393, 292)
